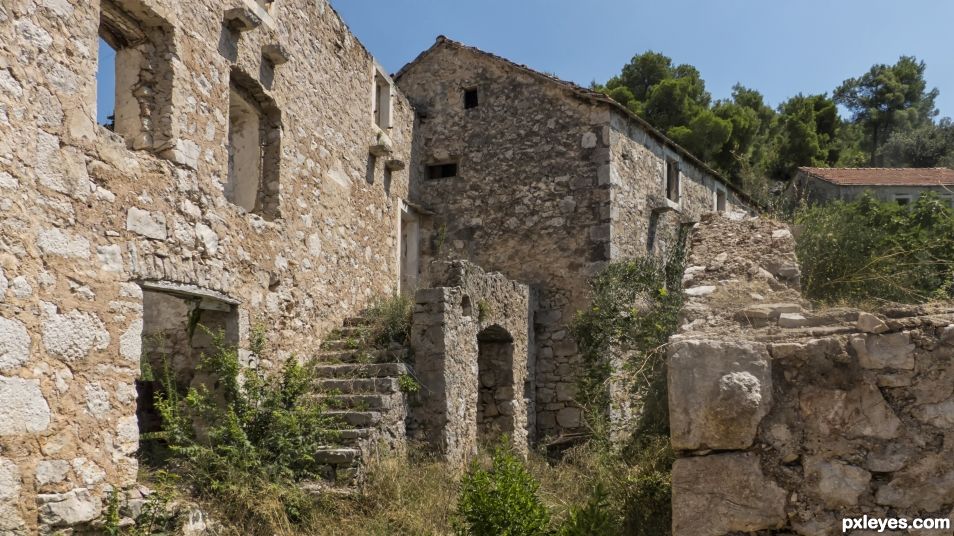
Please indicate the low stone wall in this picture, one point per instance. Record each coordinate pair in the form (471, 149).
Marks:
(471, 344)
(787, 420)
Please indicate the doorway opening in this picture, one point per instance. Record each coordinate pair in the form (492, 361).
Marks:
(496, 403)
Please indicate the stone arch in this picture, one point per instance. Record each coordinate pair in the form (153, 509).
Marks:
(496, 403)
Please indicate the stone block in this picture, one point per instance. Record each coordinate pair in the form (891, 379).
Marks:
(14, 343)
(859, 412)
(764, 314)
(568, 417)
(64, 509)
(926, 485)
(145, 223)
(870, 323)
(719, 391)
(835, 482)
(792, 320)
(23, 409)
(724, 493)
(893, 350)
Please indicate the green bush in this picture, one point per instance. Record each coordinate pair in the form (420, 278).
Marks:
(592, 518)
(249, 440)
(501, 501)
(867, 250)
(389, 320)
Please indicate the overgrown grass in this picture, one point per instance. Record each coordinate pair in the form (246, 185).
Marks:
(871, 251)
(389, 321)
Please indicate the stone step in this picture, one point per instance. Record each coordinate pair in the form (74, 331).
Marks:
(337, 345)
(351, 437)
(357, 419)
(356, 321)
(337, 455)
(361, 402)
(369, 370)
(361, 356)
(346, 332)
(359, 385)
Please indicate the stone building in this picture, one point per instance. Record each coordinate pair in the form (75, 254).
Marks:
(901, 185)
(545, 182)
(263, 170)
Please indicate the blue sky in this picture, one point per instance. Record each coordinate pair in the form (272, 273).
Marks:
(778, 47)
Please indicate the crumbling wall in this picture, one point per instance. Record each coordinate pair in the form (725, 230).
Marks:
(84, 221)
(466, 308)
(788, 420)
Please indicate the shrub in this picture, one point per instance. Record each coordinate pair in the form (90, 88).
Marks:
(389, 320)
(591, 518)
(502, 501)
(247, 442)
(854, 252)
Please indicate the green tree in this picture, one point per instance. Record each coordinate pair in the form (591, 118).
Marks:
(888, 99)
(805, 135)
(929, 145)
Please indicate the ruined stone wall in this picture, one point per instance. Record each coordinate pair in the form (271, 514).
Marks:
(527, 201)
(642, 221)
(84, 220)
(788, 420)
(463, 402)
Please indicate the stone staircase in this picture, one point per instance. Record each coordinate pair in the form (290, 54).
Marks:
(362, 389)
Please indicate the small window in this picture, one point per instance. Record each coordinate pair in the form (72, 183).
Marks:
(254, 148)
(470, 99)
(720, 200)
(382, 101)
(442, 171)
(672, 181)
(902, 199)
(134, 75)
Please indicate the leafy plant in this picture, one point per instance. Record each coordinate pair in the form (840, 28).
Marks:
(501, 501)
(868, 250)
(483, 310)
(246, 434)
(408, 384)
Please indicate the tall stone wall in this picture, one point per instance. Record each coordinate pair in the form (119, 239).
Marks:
(787, 420)
(527, 201)
(84, 220)
(473, 355)
(643, 221)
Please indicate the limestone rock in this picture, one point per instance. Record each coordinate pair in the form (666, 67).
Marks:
(57, 242)
(926, 485)
(718, 393)
(870, 323)
(145, 223)
(73, 335)
(703, 290)
(792, 320)
(836, 482)
(14, 344)
(893, 350)
(723, 493)
(63, 509)
(860, 412)
(51, 471)
(23, 410)
(10, 520)
(763, 314)
(940, 415)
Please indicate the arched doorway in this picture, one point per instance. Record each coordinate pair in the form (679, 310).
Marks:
(496, 404)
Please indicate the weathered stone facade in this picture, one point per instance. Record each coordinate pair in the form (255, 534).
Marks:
(473, 357)
(87, 221)
(262, 170)
(787, 420)
(552, 182)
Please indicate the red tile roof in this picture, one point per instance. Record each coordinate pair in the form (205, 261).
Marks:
(882, 176)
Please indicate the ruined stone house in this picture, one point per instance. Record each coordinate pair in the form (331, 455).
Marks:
(263, 170)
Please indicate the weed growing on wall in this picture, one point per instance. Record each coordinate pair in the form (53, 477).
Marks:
(244, 439)
(868, 250)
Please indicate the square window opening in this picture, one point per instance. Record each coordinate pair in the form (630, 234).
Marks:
(720, 200)
(442, 171)
(902, 199)
(134, 75)
(470, 99)
(672, 181)
(254, 148)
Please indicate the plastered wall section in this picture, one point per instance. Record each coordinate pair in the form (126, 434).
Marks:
(83, 220)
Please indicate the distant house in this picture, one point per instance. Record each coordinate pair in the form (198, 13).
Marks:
(902, 185)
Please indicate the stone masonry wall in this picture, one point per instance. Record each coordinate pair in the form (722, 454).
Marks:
(465, 306)
(526, 203)
(638, 192)
(84, 221)
(787, 420)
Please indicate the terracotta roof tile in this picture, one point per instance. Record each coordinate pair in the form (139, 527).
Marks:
(883, 176)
